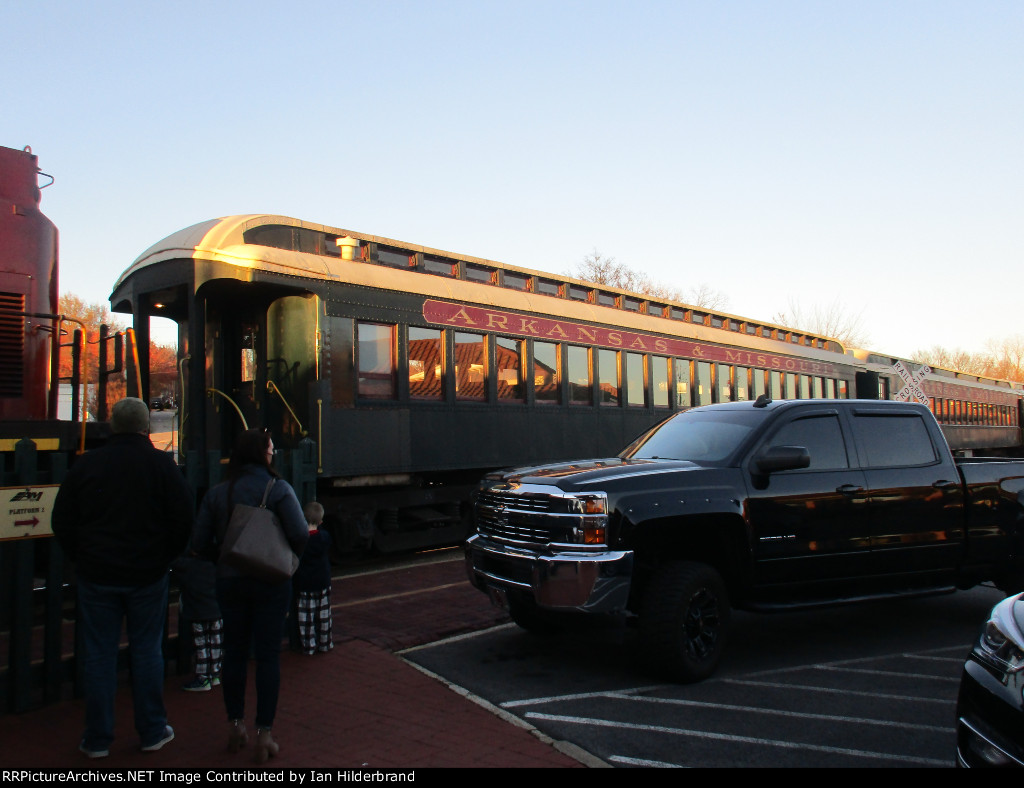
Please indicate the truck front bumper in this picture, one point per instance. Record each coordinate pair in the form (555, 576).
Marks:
(594, 582)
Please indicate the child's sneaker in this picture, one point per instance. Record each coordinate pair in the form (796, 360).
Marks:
(199, 684)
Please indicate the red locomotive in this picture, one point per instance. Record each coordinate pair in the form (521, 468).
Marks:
(28, 292)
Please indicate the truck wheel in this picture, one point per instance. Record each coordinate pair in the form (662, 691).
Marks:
(684, 621)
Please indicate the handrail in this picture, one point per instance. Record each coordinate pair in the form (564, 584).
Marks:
(271, 386)
(212, 390)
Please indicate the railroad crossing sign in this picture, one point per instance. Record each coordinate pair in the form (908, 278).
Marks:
(911, 391)
(25, 511)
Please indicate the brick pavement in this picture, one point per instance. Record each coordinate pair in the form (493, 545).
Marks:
(359, 705)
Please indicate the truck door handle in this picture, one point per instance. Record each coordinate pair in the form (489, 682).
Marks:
(849, 489)
(945, 484)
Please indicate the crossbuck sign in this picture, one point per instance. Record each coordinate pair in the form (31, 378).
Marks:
(911, 391)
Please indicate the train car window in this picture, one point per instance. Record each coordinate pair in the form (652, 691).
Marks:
(757, 384)
(775, 385)
(683, 384)
(439, 266)
(734, 325)
(830, 388)
(751, 329)
(549, 287)
(697, 317)
(806, 392)
(636, 387)
(426, 356)
(577, 293)
(702, 384)
(394, 257)
(376, 363)
(608, 377)
(843, 390)
(741, 384)
(470, 369)
(678, 314)
(606, 299)
(294, 239)
(723, 384)
(660, 370)
(247, 342)
(658, 310)
(580, 382)
(508, 354)
(545, 372)
(717, 322)
(632, 304)
(516, 281)
(480, 273)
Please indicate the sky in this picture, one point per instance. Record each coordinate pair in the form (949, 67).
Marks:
(866, 155)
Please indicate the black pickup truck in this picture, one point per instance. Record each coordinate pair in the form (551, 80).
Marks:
(758, 506)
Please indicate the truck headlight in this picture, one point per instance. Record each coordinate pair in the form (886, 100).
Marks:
(1001, 644)
(593, 528)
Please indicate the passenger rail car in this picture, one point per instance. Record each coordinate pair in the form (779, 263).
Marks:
(415, 370)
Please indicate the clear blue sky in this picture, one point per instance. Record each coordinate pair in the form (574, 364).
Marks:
(870, 152)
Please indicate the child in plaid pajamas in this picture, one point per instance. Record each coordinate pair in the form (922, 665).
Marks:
(312, 586)
(198, 606)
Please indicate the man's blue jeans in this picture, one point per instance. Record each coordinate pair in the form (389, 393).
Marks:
(101, 610)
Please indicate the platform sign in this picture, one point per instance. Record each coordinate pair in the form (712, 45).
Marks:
(911, 391)
(25, 511)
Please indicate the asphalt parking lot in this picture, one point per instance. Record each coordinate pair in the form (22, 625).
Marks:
(864, 686)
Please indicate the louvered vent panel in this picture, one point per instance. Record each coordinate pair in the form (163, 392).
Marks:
(12, 344)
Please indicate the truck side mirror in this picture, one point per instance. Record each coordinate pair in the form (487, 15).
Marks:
(782, 458)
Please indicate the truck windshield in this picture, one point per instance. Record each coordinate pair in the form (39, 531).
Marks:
(705, 436)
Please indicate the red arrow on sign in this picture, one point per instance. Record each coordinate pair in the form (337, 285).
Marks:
(33, 522)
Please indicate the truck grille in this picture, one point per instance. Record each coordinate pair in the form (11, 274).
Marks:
(529, 517)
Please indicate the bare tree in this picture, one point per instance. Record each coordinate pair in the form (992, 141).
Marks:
(1007, 358)
(830, 320)
(1004, 359)
(602, 270)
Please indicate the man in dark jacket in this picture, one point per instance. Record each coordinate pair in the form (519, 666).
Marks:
(123, 513)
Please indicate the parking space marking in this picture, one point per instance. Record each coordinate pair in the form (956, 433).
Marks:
(590, 721)
(511, 704)
(897, 673)
(641, 762)
(783, 713)
(811, 688)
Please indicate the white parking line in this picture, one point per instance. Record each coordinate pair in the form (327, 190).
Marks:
(511, 704)
(900, 674)
(835, 691)
(783, 713)
(740, 739)
(641, 762)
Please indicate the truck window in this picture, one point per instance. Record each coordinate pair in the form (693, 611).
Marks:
(893, 440)
(821, 436)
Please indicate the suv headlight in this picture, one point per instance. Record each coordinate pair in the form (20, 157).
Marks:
(1002, 643)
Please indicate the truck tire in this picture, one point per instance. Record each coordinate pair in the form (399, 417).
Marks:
(684, 621)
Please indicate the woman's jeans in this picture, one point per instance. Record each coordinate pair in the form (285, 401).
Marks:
(254, 614)
(101, 610)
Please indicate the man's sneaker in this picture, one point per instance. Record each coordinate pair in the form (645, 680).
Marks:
(93, 753)
(215, 681)
(168, 735)
(198, 684)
